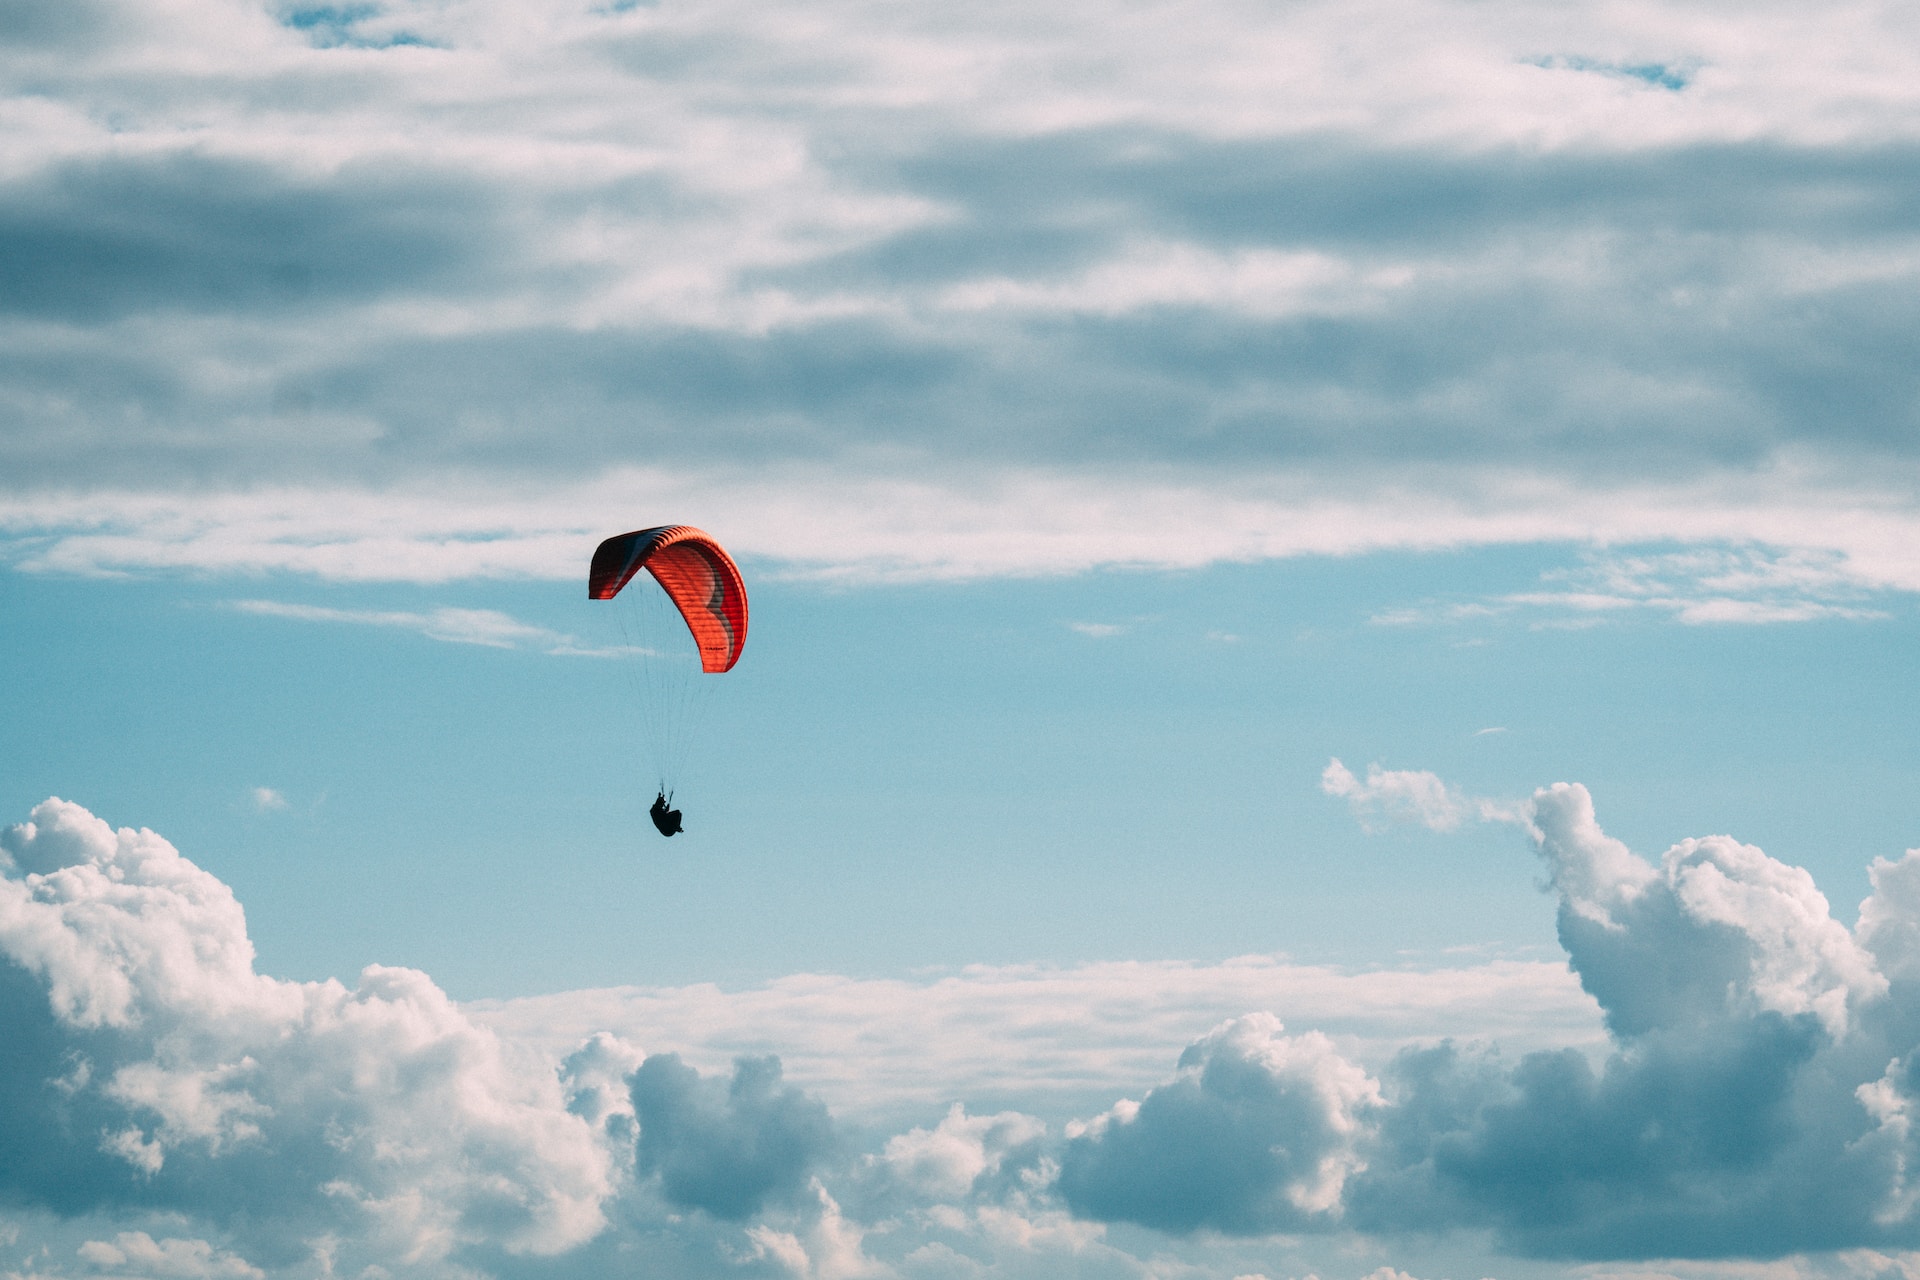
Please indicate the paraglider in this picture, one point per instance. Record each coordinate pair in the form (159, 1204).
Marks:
(665, 820)
(698, 576)
(709, 601)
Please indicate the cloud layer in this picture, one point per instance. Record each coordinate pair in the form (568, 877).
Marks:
(168, 1111)
(421, 290)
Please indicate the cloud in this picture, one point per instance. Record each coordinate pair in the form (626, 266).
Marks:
(947, 1161)
(984, 296)
(1742, 1108)
(1703, 586)
(1756, 1096)
(1055, 1042)
(156, 1084)
(1707, 586)
(827, 1246)
(1889, 924)
(167, 1110)
(267, 800)
(1406, 795)
(726, 1149)
(1258, 1133)
(845, 525)
(1757, 934)
(487, 627)
(103, 237)
(153, 1067)
(136, 1252)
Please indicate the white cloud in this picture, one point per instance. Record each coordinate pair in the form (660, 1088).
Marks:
(1258, 283)
(1258, 1132)
(329, 1127)
(1409, 795)
(826, 1247)
(1845, 1264)
(1756, 1094)
(1797, 958)
(1791, 956)
(1756, 612)
(942, 1163)
(1053, 1041)
(1889, 922)
(386, 1116)
(137, 1253)
(926, 292)
(1702, 586)
(267, 800)
(1804, 960)
(728, 1147)
(459, 626)
(1594, 874)
(1705, 586)
(1739, 1009)
(861, 526)
(487, 627)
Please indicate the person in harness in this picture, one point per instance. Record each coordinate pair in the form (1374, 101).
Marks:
(665, 819)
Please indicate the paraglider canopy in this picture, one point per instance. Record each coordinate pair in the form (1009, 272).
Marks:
(698, 576)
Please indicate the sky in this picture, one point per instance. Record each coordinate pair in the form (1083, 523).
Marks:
(1329, 693)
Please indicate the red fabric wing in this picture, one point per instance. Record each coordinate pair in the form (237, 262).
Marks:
(700, 578)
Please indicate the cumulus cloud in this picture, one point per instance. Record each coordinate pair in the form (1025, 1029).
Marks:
(1755, 1095)
(152, 1066)
(1889, 924)
(826, 1246)
(152, 1076)
(1743, 1106)
(727, 1148)
(946, 1161)
(218, 1121)
(1756, 933)
(1258, 1133)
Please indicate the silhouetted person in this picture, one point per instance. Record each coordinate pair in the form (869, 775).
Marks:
(667, 820)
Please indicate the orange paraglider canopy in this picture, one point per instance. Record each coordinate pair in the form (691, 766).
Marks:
(696, 573)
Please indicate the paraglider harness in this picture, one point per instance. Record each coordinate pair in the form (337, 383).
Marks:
(665, 819)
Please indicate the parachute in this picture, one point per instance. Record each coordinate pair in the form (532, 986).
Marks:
(696, 573)
(708, 599)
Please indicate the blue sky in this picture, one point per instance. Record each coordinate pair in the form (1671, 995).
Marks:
(1330, 681)
(936, 774)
